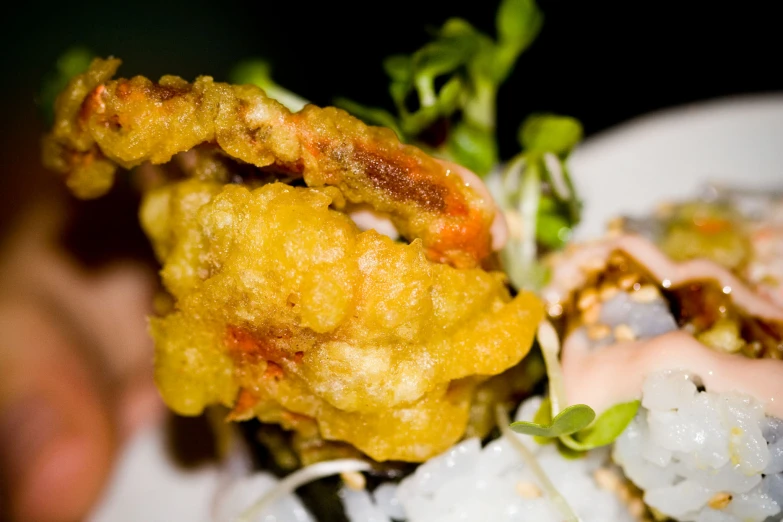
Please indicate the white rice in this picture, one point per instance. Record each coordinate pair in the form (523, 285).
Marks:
(244, 492)
(702, 456)
(698, 456)
(491, 483)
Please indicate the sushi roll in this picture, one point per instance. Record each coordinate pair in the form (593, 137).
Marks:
(697, 338)
(699, 341)
(694, 338)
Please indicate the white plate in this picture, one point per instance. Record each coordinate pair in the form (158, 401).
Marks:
(672, 153)
(627, 169)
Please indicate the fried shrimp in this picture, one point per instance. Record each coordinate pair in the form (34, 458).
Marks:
(102, 124)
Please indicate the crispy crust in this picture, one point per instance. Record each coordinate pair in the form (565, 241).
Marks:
(102, 124)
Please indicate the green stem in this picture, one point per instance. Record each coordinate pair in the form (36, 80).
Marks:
(297, 479)
(480, 109)
(550, 348)
(529, 200)
(426, 90)
(546, 484)
(511, 176)
(573, 202)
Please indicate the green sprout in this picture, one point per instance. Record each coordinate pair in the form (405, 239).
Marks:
(455, 79)
(469, 66)
(536, 192)
(73, 61)
(575, 428)
(259, 73)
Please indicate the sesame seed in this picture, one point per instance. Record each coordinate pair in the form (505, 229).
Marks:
(607, 292)
(623, 332)
(596, 332)
(591, 315)
(556, 310)
(615, 227)
(616, 259)
(594, 264)
(607, 479)
(354, 480)
(645, 294)
(527, 489)
(720, 500)
(588, 298)
(627, 281)
(636, 508)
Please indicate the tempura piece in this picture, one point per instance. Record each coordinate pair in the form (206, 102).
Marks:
(102, 123)
(286, 312)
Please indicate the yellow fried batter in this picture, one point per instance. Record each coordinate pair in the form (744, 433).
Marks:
(286, 312)
(102, 123)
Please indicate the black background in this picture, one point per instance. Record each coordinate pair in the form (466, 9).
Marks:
(603, 62)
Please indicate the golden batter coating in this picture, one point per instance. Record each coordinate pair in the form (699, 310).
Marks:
(103, 123)
(285, 311)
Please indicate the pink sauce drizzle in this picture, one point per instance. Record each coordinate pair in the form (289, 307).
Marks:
(569, 273)
(601, 377)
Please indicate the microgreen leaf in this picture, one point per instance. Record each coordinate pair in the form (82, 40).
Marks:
(449, 96)
(569, 453)
(472, 65)
(550, 133)
(73, 61)
(552, 228)
(398, 67)
(543, 417)
(259, 73)
(457, 27)
(442, 56)
(568, 421)
(609, 425)
(518, 23)
(472, 148)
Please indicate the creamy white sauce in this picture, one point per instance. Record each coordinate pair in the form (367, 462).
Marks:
(366, 218)
(601, 377)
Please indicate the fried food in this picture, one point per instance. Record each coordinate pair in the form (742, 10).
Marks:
(286, 312)
(283, 309)
(102, 124)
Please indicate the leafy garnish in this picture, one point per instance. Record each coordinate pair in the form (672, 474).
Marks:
(570, 420)
(607, 427)
(73, 61)
(543, 133)
(455, 78)
(259, 73)
(547, 140)
(530, 459)
(572, 427)
(445, 99)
